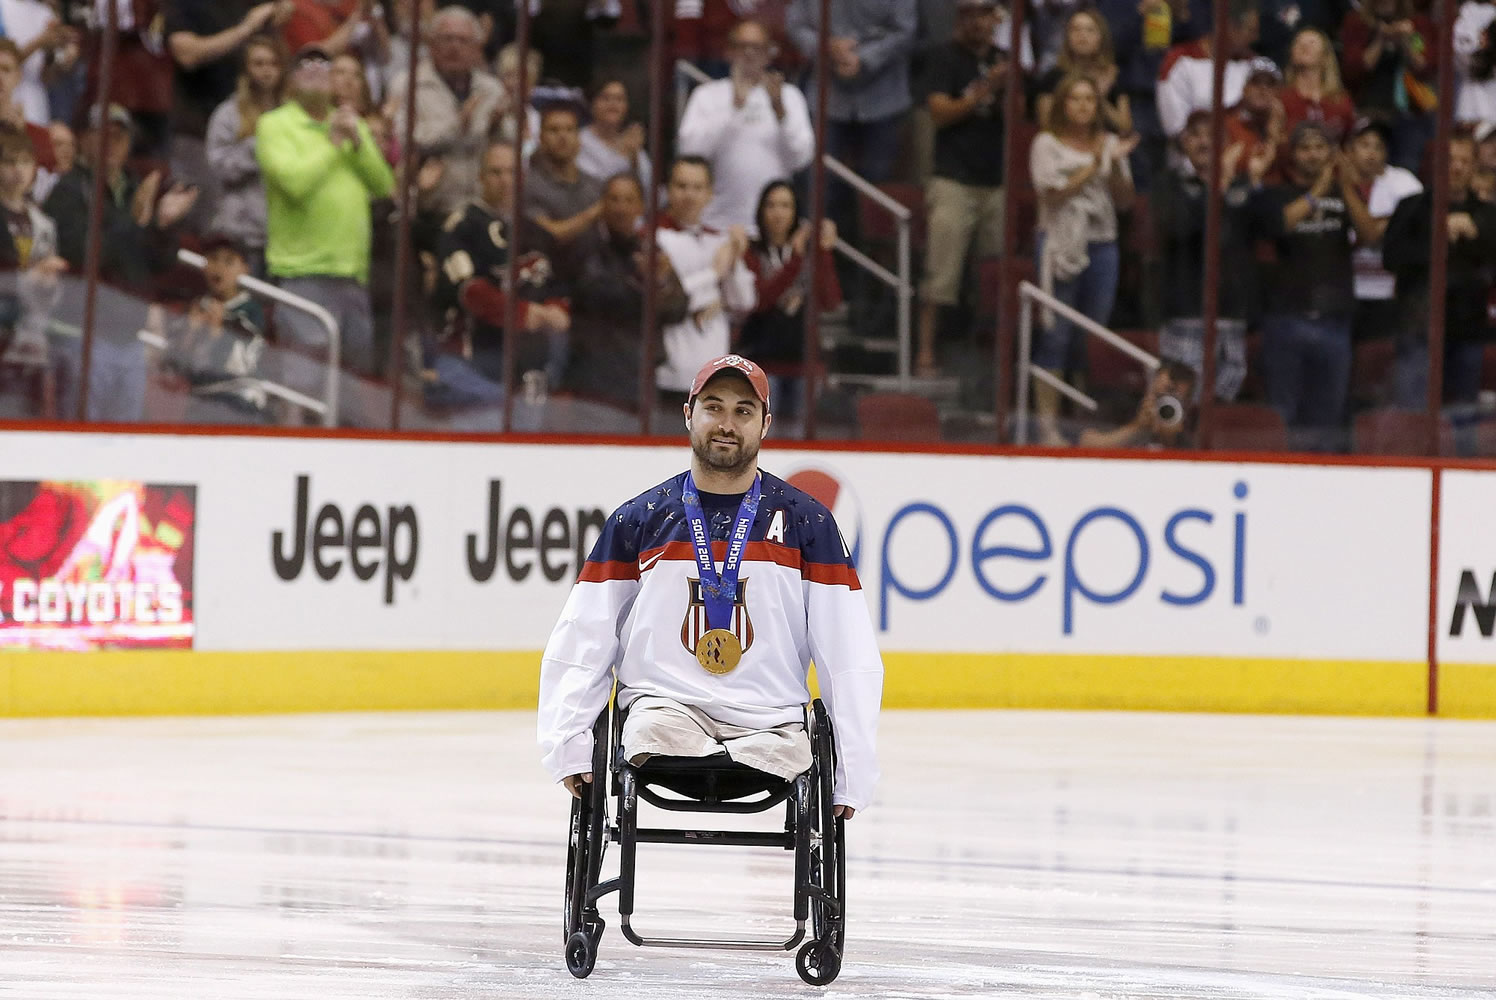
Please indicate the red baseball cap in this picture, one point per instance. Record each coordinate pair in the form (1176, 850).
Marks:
(736, 363)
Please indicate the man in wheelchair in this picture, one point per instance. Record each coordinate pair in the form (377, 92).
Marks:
(712, 667)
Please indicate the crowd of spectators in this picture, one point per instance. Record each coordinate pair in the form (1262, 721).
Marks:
(269, 137)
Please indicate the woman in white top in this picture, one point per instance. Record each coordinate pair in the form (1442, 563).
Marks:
(1081, 174)
(610, 147)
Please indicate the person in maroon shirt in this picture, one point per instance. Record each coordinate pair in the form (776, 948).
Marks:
(1312, 89)
(1255, 123)
(331, 25)
(774, 331)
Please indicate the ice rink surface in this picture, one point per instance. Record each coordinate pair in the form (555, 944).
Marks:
(1010, 854)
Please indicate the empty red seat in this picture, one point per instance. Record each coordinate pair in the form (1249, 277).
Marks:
(897, 416)
(1371, 369)
(1393, 431)
(1243, 427)
(878, 223)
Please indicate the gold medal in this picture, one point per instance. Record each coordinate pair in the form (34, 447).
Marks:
(719, 651)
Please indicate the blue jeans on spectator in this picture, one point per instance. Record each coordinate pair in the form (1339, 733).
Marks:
(870, 149)
(549, 355)
(459, 384)
(1062, 347)
(1463, 360)
(116, 378)
(1410, 135)
(473, 401)
(1306, 365)
(305, 364)
(1151, 157)
(788, 394)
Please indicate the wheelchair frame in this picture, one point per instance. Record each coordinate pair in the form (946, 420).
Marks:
(811, 830)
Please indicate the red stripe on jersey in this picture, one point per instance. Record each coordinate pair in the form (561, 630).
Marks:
(602, 572)
(752, 552)
(833, 574)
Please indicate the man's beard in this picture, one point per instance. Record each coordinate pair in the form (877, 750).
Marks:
(734, 461)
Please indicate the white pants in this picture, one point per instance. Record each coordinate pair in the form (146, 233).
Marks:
(659, 726)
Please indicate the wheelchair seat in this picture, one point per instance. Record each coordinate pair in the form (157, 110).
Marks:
(712, 784)
(709, 781)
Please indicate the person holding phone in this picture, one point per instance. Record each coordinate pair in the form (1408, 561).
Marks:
(1391, 69)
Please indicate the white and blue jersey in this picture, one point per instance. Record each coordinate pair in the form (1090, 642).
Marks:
(637, 611)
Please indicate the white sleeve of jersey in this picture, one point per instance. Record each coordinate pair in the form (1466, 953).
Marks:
(576, 672)
(850, 670)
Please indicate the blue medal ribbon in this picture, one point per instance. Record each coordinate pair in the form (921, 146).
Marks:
(719, 591)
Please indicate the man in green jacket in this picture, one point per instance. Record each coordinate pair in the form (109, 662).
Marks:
(322, 167)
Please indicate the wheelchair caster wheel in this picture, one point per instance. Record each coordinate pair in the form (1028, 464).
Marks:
(581, 954)
(818, 963)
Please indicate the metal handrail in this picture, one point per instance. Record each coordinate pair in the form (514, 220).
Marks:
(867, 263)
(693, 72)
(903, 286)
(1028, 294)
(158, 342)
(689, 75)
(334, 334)
(862, 184)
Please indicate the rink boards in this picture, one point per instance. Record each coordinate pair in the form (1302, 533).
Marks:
(223, 573)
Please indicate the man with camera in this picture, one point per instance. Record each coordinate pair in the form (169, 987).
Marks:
(1162, 419)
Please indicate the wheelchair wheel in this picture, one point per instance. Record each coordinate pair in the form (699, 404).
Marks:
(581, 954)
(576, 868)
(819, 959)
(818, 963)
(586, 842)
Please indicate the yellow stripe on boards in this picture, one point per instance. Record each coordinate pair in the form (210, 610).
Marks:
(1467, 691)
(1155, 683)
(139, 682)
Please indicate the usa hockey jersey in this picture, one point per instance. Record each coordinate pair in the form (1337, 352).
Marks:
(637, 609)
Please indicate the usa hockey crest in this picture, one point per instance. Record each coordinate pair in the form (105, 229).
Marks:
(695, 626)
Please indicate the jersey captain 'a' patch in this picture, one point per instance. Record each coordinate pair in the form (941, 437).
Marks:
(694, 626)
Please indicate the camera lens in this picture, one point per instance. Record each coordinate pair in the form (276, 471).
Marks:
(1169, 411)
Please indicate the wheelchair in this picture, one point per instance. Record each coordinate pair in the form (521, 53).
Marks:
(714, 784)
